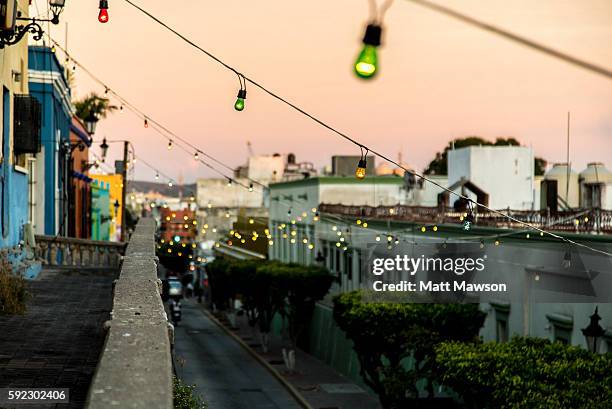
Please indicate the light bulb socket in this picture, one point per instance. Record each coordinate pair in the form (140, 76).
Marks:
(362, 163)
(373, 35)
(242, 94)
(103, 5)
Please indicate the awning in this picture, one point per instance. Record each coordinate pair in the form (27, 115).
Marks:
(82, 135)
(81, 176)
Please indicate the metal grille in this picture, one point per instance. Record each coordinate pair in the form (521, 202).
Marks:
(26, 124)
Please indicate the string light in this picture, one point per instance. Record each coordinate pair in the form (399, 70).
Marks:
(169, 183)
(250, 187)
(156, 176)
(229, 182)
(360, 172)
(121, 108)
(239, 104)
(146, 123)
(170, 144)
(196, 156)
(354, 141)
(366, 65)
(103, 14)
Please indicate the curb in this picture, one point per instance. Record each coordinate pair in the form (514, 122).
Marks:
(292, 391)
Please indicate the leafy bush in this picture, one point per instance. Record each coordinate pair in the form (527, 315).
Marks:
(13, 292)
(385, 335)
(526, 373)
(185, 397)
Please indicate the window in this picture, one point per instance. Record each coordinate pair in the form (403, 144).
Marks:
(561, 326)
(502, 328)
(348, 264)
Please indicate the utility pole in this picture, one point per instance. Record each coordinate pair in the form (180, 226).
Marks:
(123, 190)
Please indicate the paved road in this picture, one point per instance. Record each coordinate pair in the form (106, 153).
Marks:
(224, 373)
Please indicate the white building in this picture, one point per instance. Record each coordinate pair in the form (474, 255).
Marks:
(505, 173)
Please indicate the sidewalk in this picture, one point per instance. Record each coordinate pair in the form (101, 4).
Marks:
(319, 385)
(58, 341)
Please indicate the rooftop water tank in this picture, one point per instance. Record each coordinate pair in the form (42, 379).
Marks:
(567, 192)
(596, 172)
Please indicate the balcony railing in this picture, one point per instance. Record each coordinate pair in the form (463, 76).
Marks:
(71, 252)
(574, 221)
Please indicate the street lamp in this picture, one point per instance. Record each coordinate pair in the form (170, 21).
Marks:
(90, 123)
(593, 332)
(104, 148)
(10, 33)
(57, 6)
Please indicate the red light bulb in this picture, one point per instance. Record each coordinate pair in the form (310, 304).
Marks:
(103, 16)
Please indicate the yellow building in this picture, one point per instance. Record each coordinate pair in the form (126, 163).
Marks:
(116, 188)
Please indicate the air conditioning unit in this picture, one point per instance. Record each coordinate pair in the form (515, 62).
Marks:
(26, 124)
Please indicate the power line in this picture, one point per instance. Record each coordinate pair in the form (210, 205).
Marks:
(516, 38)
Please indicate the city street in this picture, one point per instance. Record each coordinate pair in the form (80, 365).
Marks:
(224, 373)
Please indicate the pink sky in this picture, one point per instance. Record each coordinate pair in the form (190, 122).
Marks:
(439, 78)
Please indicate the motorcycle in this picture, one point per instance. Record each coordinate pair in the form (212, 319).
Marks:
(175, 311)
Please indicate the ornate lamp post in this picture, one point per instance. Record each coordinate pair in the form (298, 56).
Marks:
(104, 148)
(593, 332)
(10, 33)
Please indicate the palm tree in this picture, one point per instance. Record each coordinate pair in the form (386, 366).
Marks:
(94, 106)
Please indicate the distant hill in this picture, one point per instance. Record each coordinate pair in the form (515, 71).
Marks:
(162, 188)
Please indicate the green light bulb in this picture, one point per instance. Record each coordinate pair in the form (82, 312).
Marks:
(239, 104)
(365, 66)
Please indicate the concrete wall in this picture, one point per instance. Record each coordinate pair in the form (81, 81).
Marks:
(135, 369)
(504, 172)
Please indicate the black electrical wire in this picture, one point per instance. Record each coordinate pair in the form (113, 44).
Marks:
(380, 155)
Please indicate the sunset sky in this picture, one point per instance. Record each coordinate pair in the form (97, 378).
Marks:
(439, 78)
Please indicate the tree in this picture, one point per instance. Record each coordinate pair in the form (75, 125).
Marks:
(526, 373)
(222, 291)
(94, 104)
(243, 275)
(386, 336)
(439, 165)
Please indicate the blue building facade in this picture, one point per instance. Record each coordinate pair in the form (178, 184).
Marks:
(19, 140)
(48, 83)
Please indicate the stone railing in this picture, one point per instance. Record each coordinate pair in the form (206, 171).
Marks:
(71, 252)
(135, 368)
